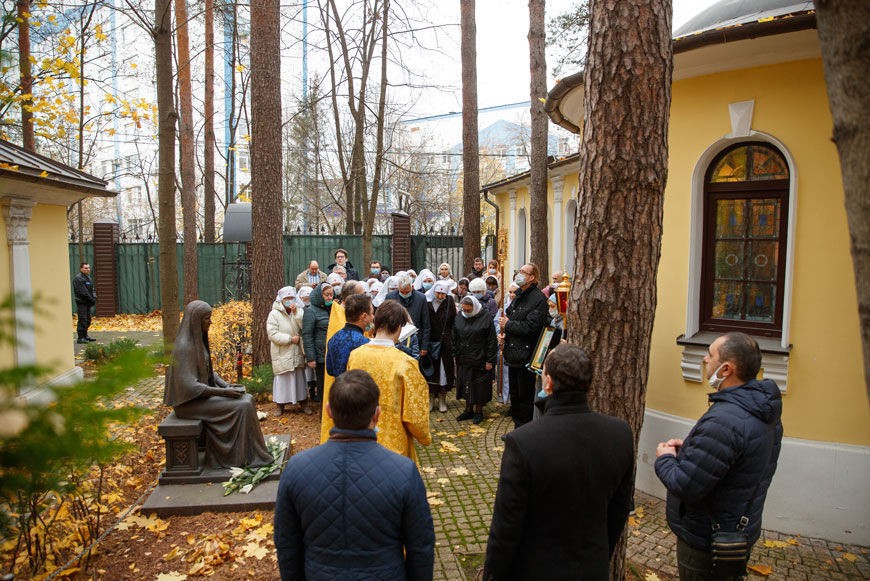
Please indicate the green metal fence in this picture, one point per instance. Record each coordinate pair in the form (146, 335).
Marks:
(138, 266)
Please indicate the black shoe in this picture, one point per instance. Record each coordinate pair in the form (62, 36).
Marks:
(90, 340)
(82, 340)
(503, 437)
(466, 415)
(478, 418)
(507, 413)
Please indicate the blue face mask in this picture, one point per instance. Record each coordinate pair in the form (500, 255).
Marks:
(478, 294)
(327, 303)
(427, 285)
(406, 296)
(376, 271)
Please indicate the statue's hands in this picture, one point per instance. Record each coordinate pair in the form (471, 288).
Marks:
(234, 390)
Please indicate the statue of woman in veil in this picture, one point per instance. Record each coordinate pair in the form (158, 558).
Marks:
(196, 392)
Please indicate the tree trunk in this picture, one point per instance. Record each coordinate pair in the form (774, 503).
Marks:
(268, 244)
(845, 38)
(470, 154)
(188, 154)
(539, 231)
(28, 141)
(166, 118)
(619, 221)
(208, 112)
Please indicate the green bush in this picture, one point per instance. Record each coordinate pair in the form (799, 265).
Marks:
(98, 352)
(260, 382)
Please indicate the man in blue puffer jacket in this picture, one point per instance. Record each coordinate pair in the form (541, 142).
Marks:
(350, 509)
(730, 454)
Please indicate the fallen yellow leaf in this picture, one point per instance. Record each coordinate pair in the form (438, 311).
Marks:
(171, 576)
(850, 557)
(777, 544)
(651, 577)
(763, 570)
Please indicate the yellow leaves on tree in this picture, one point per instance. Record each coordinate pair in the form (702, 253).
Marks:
(230, 334)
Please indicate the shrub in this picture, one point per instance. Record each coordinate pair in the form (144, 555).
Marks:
(260, 381)
(98, 352)
(230, 332)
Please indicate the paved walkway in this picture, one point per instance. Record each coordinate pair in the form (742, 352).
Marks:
(461, 469)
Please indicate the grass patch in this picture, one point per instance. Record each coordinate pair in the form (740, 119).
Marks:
(472, 565)
(260, 382)
(100, 353)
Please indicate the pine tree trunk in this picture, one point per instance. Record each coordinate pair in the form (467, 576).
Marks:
(28, 140)
(470, 153)
(539, 231)
(845, 40)
(166, 118)
(619, 221)
(268, 243)
(186, 146)
(209, 193)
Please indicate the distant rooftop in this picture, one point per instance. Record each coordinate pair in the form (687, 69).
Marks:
(522, 104)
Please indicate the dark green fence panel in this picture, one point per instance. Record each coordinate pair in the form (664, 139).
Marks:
(75, 261)
(430, 251)
(301, 249)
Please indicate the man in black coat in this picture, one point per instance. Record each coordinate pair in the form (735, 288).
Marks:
(722, 471)
(86, 298)
(522, 324)
(341, 260)
(418, 308)
(565, 486)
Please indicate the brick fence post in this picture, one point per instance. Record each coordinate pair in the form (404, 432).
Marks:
(401, 241)
(105, 267)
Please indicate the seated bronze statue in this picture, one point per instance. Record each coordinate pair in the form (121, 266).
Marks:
(196, 392)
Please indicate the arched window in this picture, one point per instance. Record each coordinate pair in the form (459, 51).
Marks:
(745, 226)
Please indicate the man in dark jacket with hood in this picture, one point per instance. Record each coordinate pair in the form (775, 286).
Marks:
(521, 325)
(722, 471)
(350, 508)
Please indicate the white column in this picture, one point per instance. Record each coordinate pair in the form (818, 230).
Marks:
(17, 213)
(556, 262)
(514, 235)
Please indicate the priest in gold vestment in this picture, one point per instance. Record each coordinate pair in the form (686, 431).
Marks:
(404, 397)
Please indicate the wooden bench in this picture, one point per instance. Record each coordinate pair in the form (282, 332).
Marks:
(182, 439)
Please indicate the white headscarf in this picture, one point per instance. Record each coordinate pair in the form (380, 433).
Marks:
(413, 274)
(334, 278)
(375, 287)
(507, 297)
(439, 287)
(372, 280)
(449, 272)
(288, 292)
(382, 293)
(475, 304)
(424, 274)
(304, 292)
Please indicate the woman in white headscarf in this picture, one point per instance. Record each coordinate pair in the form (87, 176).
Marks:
(424, 281)
(284, 328)
(476, 349)
(391, 284)
(505, 396)
(335, 281)
(442, 314)
(303, 294)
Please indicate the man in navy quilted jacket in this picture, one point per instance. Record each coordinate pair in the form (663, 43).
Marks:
(350, 508)
(722, 471)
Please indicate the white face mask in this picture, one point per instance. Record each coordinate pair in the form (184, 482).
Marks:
(554, 313)
(520, 279)
(716, 381)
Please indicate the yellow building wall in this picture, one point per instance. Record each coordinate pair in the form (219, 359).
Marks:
(49, 272)
(826, 399)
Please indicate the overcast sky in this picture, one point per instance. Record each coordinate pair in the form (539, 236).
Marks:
(502, 53)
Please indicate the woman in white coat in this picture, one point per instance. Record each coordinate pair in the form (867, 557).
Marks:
(284, 327)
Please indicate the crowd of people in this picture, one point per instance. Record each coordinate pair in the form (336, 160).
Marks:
(373, 351)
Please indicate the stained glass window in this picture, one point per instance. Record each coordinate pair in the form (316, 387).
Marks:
(750, 163)
(746, 201)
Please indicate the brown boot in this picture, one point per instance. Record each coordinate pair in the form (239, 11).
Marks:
(305, 409)
(279, 409)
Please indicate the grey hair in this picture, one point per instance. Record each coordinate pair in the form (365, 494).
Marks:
(404, 280)
(337, 267)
